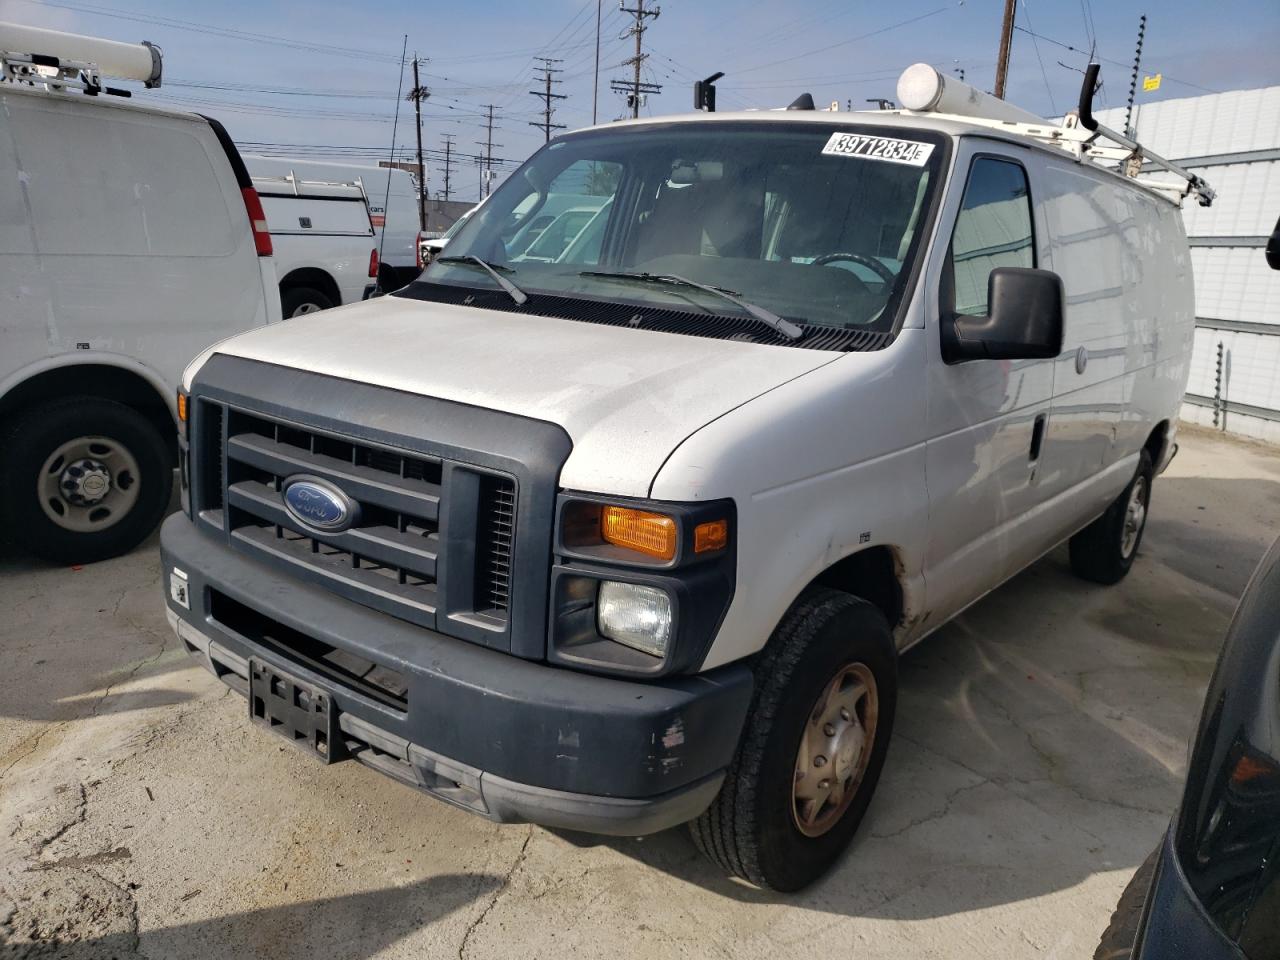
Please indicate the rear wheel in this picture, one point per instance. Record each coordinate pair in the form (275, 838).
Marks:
(84, 478)
(1105, 550)
(299, 301)
(815, 741)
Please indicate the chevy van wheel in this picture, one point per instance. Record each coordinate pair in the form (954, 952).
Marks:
(86, 479)
(1105, 550)
(813, 747)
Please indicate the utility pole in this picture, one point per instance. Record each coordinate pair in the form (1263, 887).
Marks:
(637, 29)
(1133, 80)
(486, 169)
(448, 162)
(595, 89)
(417, 95)
(547, 96)
(1006, 42)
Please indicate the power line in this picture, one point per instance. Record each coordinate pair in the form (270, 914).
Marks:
(548, 77)
(843, 43)
(1035, 43)
(1102, 59)
(212, 30)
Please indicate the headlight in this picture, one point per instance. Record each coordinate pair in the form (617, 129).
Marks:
(635, 616)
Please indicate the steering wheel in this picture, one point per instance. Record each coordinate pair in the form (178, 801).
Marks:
(871, 263)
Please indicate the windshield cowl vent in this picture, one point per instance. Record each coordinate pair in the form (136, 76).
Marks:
(613, 314)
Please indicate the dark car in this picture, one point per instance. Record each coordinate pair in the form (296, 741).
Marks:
(1212, 888)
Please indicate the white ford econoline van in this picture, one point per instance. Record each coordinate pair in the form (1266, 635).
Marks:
(322, 241)
(130, 237)
(633, 535)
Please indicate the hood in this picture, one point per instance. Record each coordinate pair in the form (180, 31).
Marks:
(627, 398)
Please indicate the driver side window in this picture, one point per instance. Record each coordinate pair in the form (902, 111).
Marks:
(993, 229)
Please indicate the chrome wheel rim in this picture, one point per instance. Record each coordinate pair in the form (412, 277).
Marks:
(835, 750)
(1135, 517)
(88, 484)
(305, 308)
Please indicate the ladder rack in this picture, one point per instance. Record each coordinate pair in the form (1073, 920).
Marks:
(922, 89)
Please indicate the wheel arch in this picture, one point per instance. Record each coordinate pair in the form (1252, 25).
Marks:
(1157, 443)
(875, 574)
(121, 379)
(315, 278)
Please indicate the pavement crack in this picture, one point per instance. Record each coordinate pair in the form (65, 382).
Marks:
(77, 818)
(935, 815)
(475, 924)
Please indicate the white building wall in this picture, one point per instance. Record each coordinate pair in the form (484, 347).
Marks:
(1237, 135)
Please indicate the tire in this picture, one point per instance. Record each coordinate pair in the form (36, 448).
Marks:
(753, 827)
(1105, 550)
(1117, 940)
(298, 301)
(133, 456)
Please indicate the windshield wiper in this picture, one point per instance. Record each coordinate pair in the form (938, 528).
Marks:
(516, 294)
(768, 318)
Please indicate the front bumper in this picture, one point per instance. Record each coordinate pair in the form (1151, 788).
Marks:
(507, 738)
(1174, 922)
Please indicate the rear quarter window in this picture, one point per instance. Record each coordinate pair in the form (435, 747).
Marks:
(120, 185)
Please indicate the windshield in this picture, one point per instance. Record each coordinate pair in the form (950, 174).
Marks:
(816, 223)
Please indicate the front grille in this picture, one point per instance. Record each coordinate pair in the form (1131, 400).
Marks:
(493, 551)
(390, 559)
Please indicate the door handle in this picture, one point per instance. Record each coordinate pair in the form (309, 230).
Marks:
(1037, 436)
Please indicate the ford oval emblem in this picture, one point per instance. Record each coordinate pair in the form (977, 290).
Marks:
(319, 504)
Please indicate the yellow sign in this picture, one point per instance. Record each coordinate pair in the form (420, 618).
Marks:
(1152, 83)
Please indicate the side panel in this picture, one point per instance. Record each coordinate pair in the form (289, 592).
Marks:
(142, 247)
(345, 259)
(821, 467)
(1129, 320)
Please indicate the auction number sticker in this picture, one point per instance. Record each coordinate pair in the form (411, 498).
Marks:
(911, 152)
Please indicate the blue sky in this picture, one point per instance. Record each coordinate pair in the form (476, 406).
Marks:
(332, 82)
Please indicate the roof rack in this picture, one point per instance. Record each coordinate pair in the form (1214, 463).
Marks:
(923, 89)
(299, 187)
(70, 61)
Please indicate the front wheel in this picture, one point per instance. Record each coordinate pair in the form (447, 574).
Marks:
(813, 747)
(85, 479)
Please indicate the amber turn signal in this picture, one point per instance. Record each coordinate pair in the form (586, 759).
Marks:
(713, 535)
(653, 534)
(182, 407)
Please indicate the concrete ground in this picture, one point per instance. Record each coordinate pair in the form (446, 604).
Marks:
(1038, 753)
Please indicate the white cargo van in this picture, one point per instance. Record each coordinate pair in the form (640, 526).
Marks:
(323, 242)
(130, 238)
(634, 534)
(393, 206)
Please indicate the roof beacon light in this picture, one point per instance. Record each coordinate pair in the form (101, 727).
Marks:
(923, 89)
(30, 53)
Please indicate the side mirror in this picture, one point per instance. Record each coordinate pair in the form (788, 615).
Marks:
(1273, 248)
(1024, 321)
